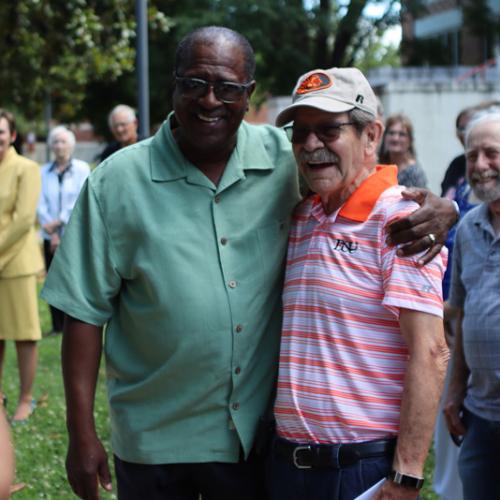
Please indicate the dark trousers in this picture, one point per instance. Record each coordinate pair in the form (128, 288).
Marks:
(479, 459)
(213, 481)
(56, 315)
(287, 482)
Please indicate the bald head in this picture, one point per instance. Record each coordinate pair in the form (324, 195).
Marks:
(214, 36)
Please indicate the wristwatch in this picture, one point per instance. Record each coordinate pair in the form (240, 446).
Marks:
(406, 480)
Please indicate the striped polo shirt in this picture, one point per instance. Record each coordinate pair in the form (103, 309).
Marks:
(343, 358)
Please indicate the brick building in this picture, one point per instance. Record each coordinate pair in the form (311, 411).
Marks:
(450, 32)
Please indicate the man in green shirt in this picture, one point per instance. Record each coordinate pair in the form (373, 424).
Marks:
(177, 244)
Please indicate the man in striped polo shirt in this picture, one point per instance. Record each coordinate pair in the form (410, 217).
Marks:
(363, 354)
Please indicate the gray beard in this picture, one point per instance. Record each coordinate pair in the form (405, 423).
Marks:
(486, 195)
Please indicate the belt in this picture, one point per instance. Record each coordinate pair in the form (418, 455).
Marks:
(330, 455)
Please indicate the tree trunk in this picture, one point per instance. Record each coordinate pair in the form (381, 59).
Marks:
(346, 31)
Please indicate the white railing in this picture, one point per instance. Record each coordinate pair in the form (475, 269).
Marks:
(488, 72)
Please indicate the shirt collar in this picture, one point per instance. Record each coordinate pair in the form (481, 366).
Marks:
(53, 166)
(168, 163)
(482, 218)
(360, 204)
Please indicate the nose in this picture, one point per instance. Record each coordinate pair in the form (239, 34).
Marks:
(481, 161)
(209, 100)
(312, 142)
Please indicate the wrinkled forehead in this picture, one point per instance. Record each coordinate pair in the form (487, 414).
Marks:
(217, 51)
(121, 117)
(61, 136)
(484, 133)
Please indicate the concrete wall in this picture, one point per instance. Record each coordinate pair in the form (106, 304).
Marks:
(432, 109)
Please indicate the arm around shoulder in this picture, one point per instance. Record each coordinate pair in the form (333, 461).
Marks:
(435, 216)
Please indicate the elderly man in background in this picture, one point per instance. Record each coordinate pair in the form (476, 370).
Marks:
(62, 180)
(123, 125)
(178, 245)
(472, 406)
(363, 354)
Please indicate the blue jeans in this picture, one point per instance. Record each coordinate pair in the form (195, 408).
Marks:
(286, 482)
(479, 459)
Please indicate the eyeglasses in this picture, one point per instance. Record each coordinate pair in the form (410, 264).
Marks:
(396, 133)
(226, 92)
(325, 133)
(120, 124)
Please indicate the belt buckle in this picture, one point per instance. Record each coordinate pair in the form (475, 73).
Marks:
(295, 458)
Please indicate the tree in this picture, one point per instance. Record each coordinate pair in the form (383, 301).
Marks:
(55, 49)
(81, 53)
(289, 36)
(480, 19)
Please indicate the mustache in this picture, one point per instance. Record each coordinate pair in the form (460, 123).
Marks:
(322, 155)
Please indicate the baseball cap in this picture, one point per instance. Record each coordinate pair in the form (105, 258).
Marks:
(334, 90)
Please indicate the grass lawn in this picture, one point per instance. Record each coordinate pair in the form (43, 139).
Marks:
(41, 443)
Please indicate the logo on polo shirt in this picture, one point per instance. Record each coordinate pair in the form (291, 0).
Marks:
(346, 246)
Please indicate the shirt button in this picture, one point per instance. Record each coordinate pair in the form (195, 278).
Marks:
(237, 370)
(223, 241)
(217, 199)
(232, 284)
(239, 328)
(235, 406)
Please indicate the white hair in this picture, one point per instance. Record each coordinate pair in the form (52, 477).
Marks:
(121, 108)
(491, 114)
(61, 129)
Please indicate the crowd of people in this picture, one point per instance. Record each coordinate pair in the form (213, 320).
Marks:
(259, 345)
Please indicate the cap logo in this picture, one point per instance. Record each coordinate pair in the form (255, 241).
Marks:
(316, 81)
(360, 98)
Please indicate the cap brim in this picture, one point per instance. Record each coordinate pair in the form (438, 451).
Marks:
(321, 103)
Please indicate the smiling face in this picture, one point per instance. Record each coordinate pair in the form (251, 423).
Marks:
(62, 147)
(124, 128)
(334, 168)
(483, 160)
(207, 125)
(6, 137)
(397, 139)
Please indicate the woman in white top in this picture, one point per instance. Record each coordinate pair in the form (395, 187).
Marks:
(62, 180)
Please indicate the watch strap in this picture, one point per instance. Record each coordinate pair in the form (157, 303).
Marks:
(406, 480)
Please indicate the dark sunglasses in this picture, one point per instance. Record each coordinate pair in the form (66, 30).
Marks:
(226, 92)
(325, 133)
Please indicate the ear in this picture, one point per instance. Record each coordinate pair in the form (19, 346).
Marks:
(13, 137)
(251, 89)
(373, 134)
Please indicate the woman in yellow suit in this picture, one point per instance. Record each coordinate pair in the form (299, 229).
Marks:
(20, 261)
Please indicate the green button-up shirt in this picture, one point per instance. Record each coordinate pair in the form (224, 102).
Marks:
(187, 275)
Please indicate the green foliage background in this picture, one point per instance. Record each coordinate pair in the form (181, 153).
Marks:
(79, 55)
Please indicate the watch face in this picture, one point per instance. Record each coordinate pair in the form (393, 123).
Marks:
(406, 480)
